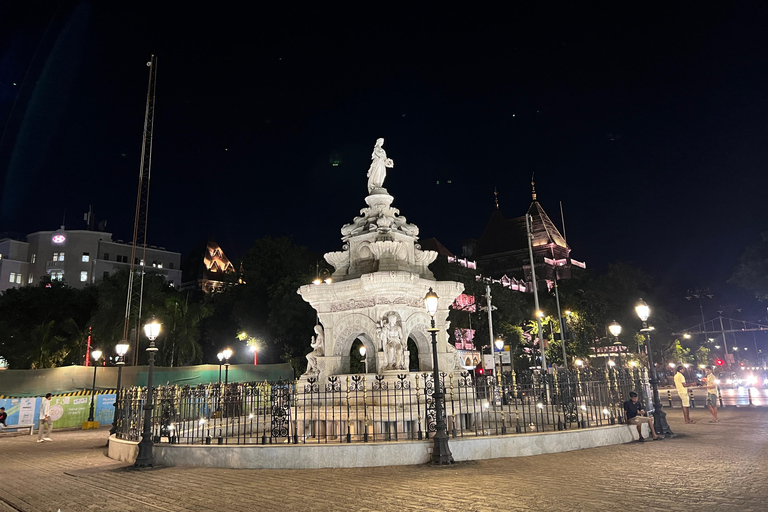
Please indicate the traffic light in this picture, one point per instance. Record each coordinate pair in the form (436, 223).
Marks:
(742, 364)
(719, 362)
(482, 372)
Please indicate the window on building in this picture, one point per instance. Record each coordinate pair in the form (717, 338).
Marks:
(86, 257)
(83, 276)
(13, 277)
(159, 264)
(170, 265)
(105, 275)
(31, 279)
(58, 256)
(106, 256)
(34, 257)
(18, 278)
(57, 275)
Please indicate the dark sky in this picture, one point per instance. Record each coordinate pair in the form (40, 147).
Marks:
(648, 123)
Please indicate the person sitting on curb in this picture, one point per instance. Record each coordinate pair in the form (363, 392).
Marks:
(634, 415)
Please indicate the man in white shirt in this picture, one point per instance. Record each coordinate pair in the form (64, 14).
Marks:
(682, 392)
(46, 423)
(712, 394)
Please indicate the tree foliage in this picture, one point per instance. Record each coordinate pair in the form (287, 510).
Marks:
(751, 272)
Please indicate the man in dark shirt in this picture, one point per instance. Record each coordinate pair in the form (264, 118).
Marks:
(633, 414)
(3, 417)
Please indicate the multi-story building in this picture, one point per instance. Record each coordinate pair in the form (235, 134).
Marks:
(78, 257)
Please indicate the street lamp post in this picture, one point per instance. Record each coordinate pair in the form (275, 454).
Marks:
(615, 330)
(499, 346)
(220, 357)
(365, 359)
(659, 416)
(441, 453)
(121, 350)
(227, 353)
(146, 458)
(96, 356)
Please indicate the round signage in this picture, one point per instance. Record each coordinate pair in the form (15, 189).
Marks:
(58, 239)
(57, 412)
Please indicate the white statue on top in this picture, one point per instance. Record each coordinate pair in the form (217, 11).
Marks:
(378, 170)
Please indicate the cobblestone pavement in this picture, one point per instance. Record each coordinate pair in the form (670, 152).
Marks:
(707, 466)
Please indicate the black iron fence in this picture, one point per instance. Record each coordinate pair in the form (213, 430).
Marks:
(374, 408)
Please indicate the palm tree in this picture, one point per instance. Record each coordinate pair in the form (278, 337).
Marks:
(181, 342)
(49, 348)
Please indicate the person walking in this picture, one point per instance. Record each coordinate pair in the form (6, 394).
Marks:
(682, 392)
(712, 394)
(46, 423)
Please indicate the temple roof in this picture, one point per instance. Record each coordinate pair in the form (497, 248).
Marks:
(433, 244)
(509, 235)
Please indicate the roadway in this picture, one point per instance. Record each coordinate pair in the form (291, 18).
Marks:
(705, 467)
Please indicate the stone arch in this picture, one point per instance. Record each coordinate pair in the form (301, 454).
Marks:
(354, 326)
(468, 362)
(413, 355)
(421, 338)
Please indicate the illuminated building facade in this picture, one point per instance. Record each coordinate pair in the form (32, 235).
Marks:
(209, 269)
(77, 257)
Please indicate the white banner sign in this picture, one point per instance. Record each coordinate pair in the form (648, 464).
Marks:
(27, 411)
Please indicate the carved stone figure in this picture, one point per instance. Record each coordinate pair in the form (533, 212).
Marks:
(455, 360)
(390, 333)
(317, 343)
(378, 170)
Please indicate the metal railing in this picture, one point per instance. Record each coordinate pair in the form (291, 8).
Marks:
(375, 408)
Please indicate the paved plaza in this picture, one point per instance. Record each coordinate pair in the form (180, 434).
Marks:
(706, 466)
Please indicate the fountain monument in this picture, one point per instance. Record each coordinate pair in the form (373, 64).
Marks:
(376, 293)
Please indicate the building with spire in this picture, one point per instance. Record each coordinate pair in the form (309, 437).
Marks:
(501, 252)
(207, 268)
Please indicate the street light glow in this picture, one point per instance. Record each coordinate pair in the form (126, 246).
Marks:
(152, 329)
(122, 349)
(615, 329)
(643, 311)
(430, 302)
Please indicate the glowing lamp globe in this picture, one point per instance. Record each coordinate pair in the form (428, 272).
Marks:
(643, 311)
(121, 349)
(430, 302)
(152, 329)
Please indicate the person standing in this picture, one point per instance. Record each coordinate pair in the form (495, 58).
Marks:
(712, 394)
(3, 418)
(682, 392)
(46, 423)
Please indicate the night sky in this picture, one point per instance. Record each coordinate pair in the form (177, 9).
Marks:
(648, 123)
